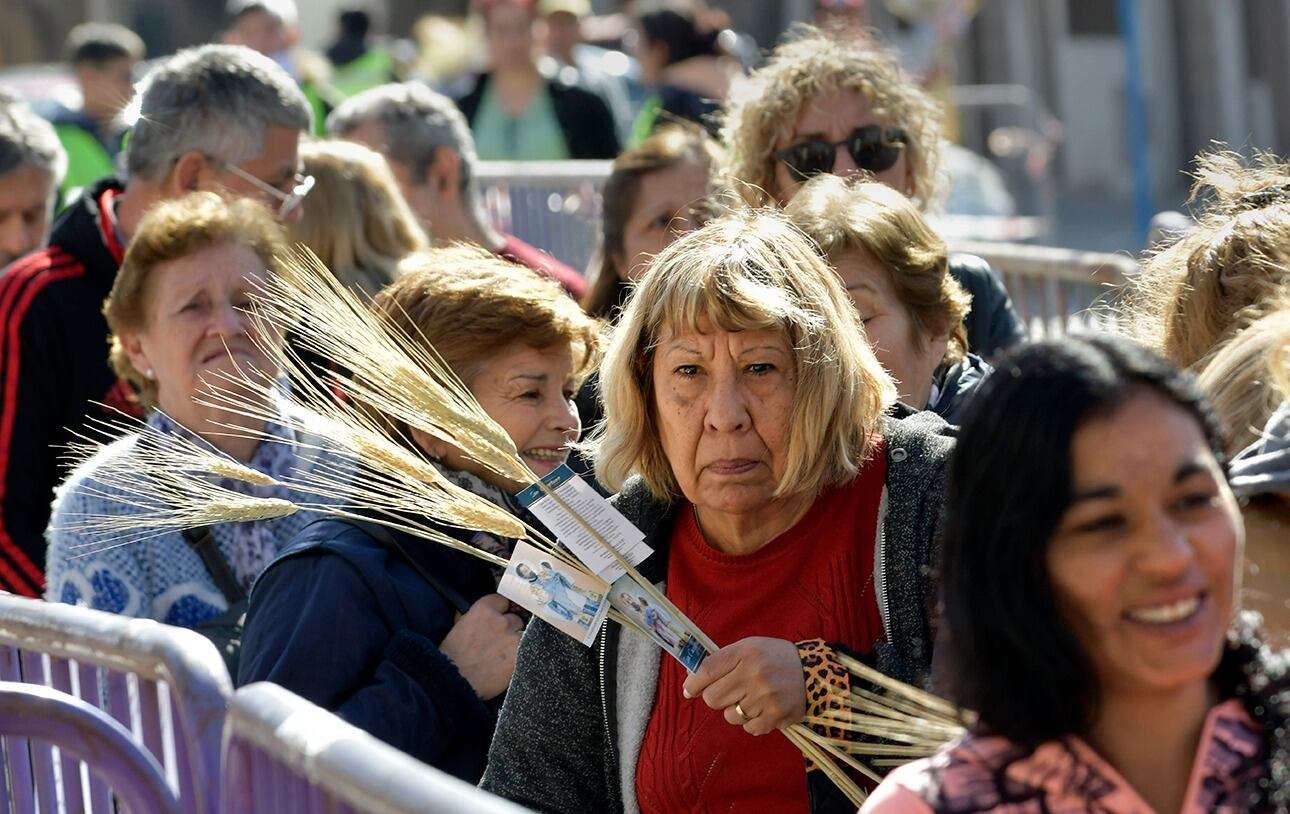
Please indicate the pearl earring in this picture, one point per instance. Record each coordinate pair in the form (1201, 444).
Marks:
(149, 375)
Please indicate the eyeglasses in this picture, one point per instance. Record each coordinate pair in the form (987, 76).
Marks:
(288, 202)
(873, 149)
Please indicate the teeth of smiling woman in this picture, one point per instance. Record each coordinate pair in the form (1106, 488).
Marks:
(1164, 614)
(545, 454)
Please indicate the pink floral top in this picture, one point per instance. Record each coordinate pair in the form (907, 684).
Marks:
(989, 773)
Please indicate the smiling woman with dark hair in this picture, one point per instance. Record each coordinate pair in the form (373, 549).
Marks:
(1091, 567)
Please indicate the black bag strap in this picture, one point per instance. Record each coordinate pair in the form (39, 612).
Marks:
(202, 540)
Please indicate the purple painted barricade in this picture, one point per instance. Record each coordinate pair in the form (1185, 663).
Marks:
(166, 686)
(38, 720)
(284, 754)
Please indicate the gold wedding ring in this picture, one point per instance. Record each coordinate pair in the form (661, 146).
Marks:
(742, 714)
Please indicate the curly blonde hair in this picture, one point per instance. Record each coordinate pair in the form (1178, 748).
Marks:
(762, 109)
(841, 216)
(748, 270)
(1230, 270)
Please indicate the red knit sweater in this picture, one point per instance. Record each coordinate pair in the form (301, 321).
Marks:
(815, 581)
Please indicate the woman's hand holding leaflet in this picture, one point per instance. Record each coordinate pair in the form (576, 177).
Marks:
(757, 681)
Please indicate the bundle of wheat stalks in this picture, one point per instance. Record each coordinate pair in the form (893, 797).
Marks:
(167, 481)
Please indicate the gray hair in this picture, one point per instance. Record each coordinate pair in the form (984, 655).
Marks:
(214, 99)
(27, 140)
(416, 121)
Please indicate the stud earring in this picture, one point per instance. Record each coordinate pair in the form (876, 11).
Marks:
(149, 375)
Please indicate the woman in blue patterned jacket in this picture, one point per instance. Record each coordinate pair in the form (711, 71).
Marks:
(177, 314)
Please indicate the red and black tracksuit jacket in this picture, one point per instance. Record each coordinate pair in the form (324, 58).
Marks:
(53, 368)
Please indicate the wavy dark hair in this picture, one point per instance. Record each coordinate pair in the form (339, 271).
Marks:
(1011, 658)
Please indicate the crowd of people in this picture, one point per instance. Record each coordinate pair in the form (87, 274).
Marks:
(830, 429)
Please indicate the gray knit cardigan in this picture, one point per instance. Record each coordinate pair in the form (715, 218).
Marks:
(574, 718)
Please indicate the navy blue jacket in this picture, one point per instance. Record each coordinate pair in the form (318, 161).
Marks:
(992, 325)
(343, 621)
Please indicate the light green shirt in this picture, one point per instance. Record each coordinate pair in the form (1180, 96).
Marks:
(534, 135)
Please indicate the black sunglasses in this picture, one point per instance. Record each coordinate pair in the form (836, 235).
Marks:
(872, 148)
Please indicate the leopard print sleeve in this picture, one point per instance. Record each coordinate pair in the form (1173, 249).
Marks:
(827, 683)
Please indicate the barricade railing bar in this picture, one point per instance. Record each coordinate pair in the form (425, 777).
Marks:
(37, 721)
(283, 753)
(167, 686)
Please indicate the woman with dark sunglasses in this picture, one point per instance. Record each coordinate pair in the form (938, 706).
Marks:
(823, 104)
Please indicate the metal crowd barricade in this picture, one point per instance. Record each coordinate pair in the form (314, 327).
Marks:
(37, 720)
(555, 205)
(167, 686)
(1058, 291)
(284, 754)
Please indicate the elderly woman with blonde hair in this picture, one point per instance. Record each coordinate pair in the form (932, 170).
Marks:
(789, 518)
(356, 219)
(897, 272)
(824, 103)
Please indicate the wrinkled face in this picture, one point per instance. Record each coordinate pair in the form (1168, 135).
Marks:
(1143, 562)
(26, 194)
(107, 87)
(833, 117)
(276, 166)
(260, 31)
(509, 32)
(529, 392)
(889, 327)
(196, 327)
(724, 402)
(669, 203)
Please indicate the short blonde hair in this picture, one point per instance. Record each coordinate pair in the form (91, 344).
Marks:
(746, 271)
(1246, 377)
(1230, 270)
(355, 218)
(172, 230)
(841, 216)
(467, 302)
(762, 109)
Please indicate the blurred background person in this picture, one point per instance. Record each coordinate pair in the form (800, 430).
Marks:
(823, 104)
(1092, 544)
(431, 152)
(655, 192)
(357, 222)
(103, 57)
(517, 113)
(683, 65)
(358, 60)
(429, 646)
(896, 271)
(603, 72)
(178, 323)
(218, 118)
(272, 27)
(32, 163)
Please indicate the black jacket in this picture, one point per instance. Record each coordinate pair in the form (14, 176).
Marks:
(992, 324)
(344, 621)
(54, 357)
(584, 118)
(955, 385)
(574, 717)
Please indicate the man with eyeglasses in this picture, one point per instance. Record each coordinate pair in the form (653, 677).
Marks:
(221, 118)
